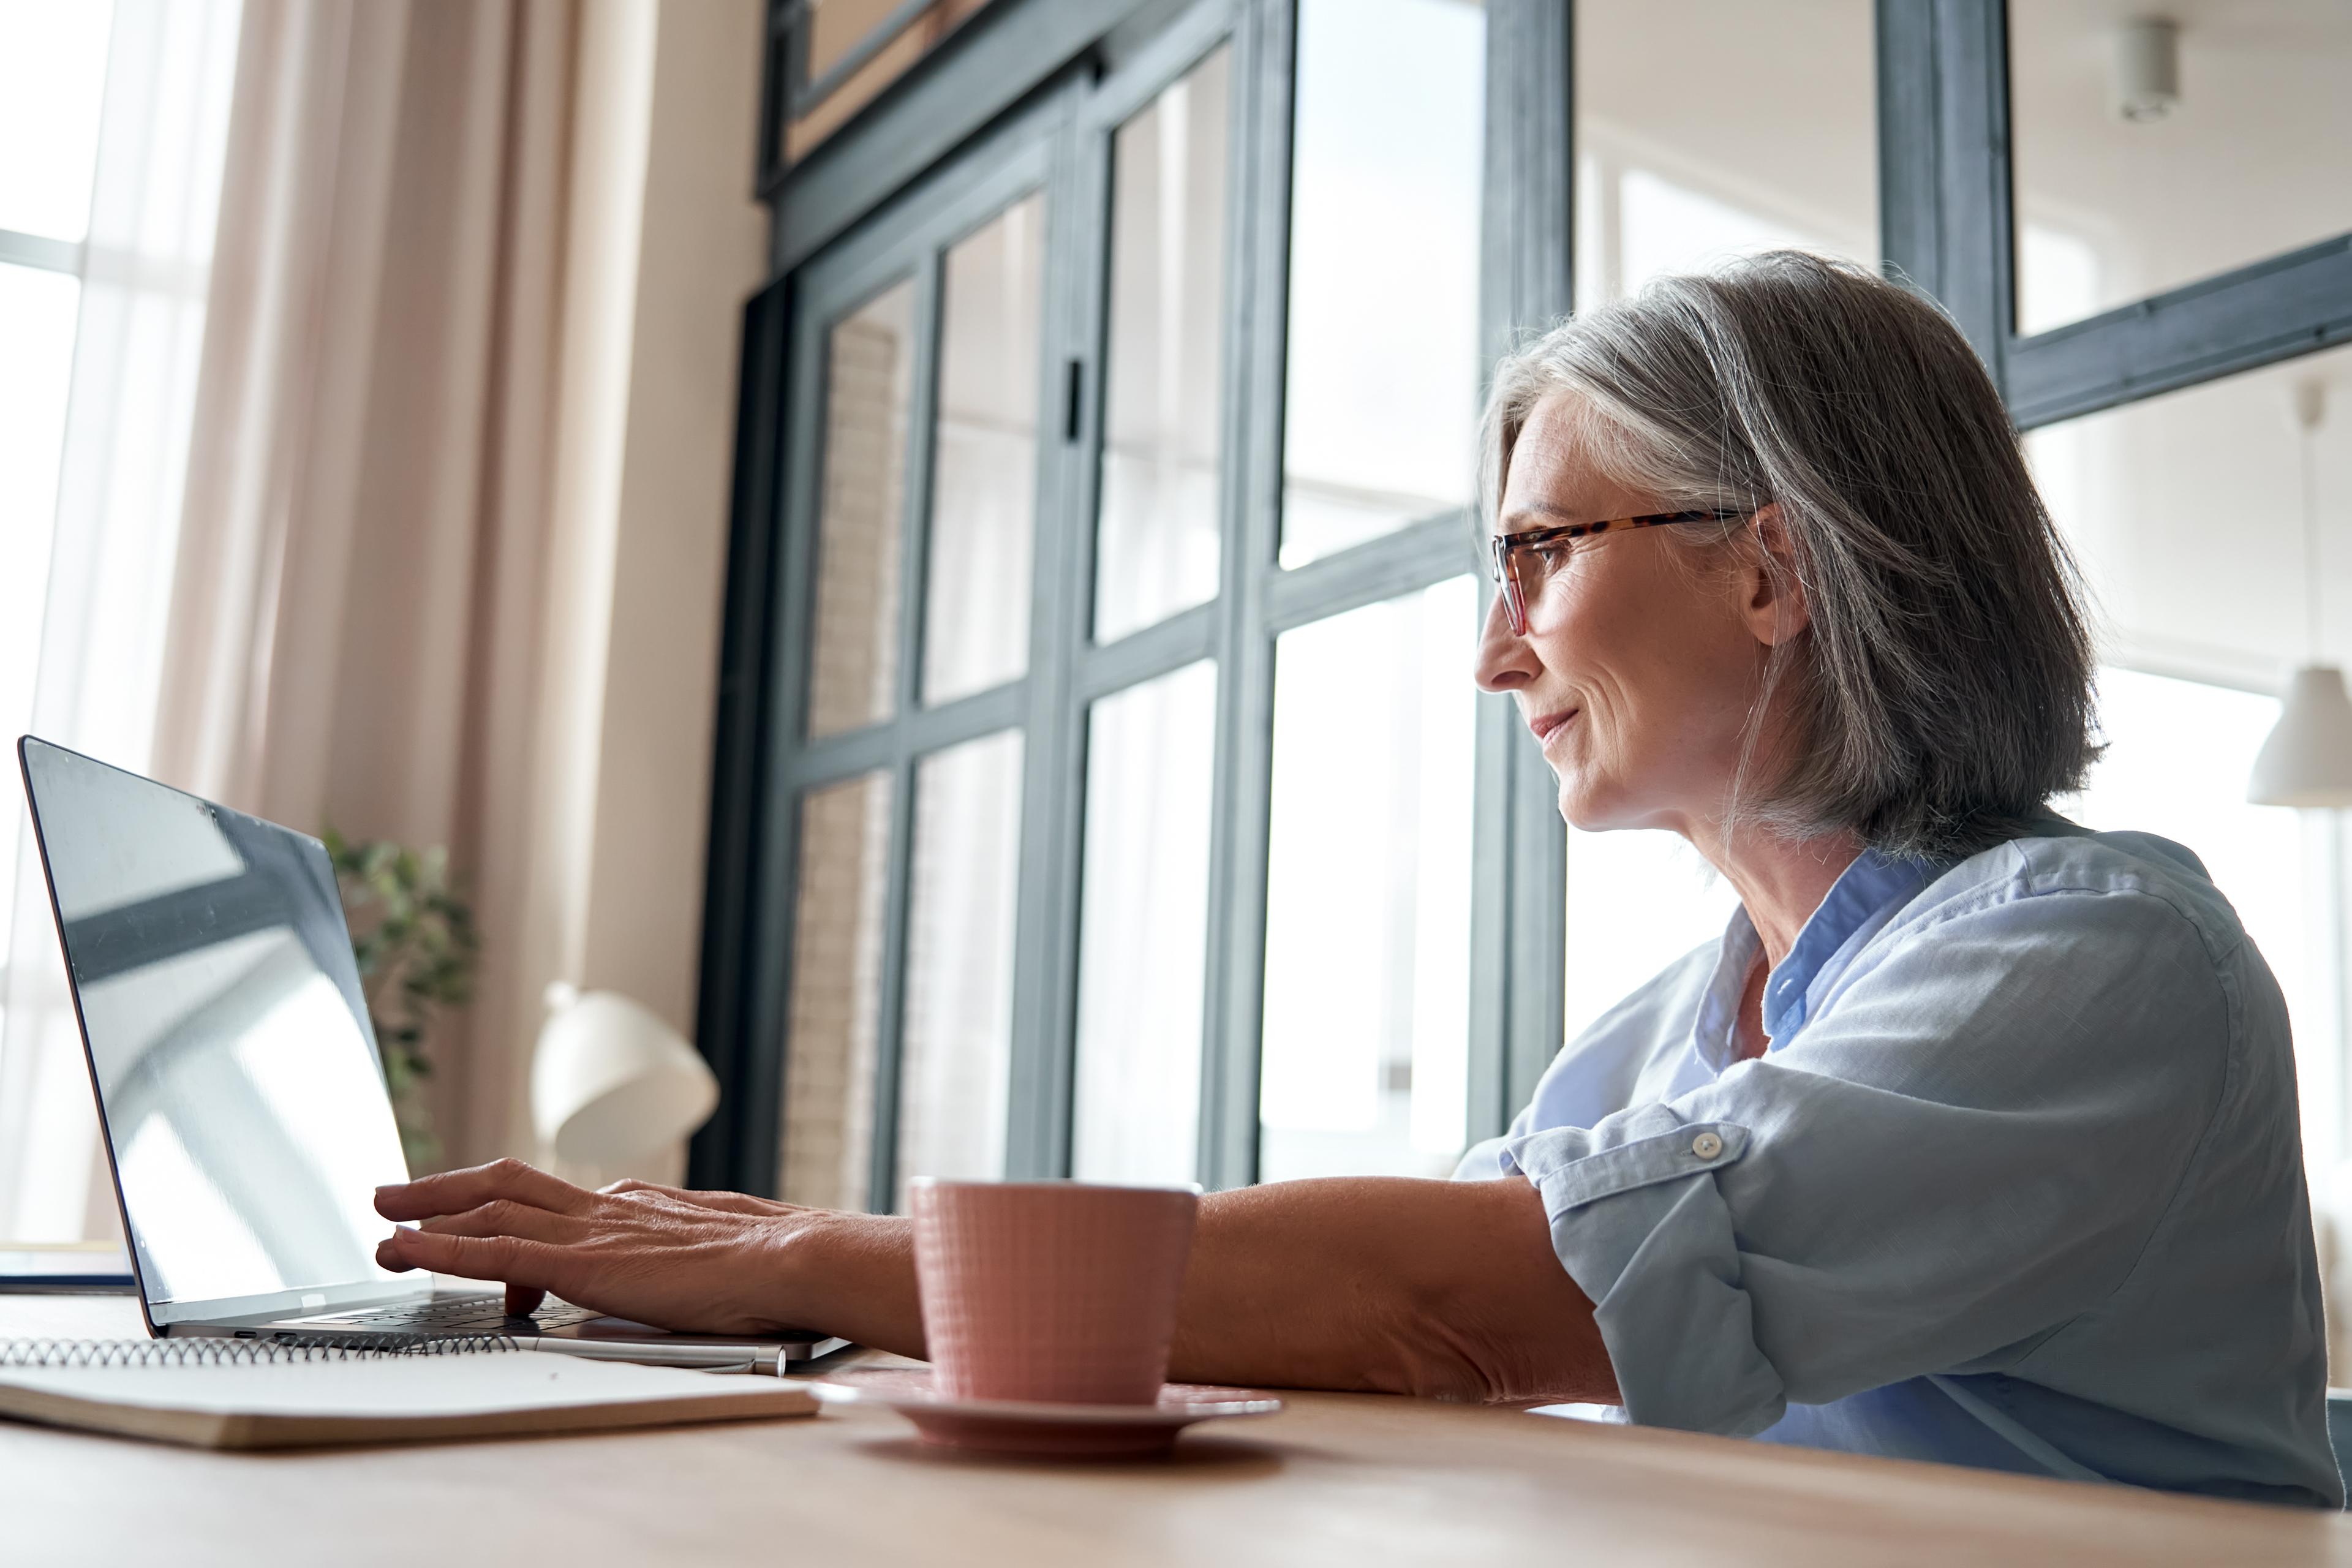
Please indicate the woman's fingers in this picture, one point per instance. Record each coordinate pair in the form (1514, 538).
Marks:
(725, 1203)
(522, 1300)
(533, 1265)
(503, 1216)
(453, 1192)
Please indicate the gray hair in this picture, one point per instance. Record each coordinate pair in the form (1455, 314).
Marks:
(1941, 692)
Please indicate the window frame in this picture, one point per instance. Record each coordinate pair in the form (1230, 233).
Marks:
(1948, 215)
(764, 762)
(1945, 223)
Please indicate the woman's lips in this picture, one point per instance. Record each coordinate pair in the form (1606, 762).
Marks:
(1545, 726)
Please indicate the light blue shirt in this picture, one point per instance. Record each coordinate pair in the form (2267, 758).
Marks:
(2019, 1183)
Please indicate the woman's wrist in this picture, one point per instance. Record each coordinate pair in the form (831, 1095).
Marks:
(852, 1275)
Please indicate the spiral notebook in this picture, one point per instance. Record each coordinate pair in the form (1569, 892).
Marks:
(238, 1393)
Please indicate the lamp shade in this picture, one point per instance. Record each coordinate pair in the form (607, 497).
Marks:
(2307, 760)
(611, 1084)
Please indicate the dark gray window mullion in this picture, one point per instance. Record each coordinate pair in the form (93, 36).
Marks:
(1037, 1136)
(914, 532)
(1415, 556)
(890, 1013)
(1521, 845)
(1157, 649)
(838, 757)
(1490, 1085)
(2269, 310)
(1235, 1000)
(1943, 160)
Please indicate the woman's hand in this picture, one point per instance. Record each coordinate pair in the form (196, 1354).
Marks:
(722, 1263)
(1367, 1282)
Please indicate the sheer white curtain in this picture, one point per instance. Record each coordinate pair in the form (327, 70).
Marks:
(104, 554)
(341, 529)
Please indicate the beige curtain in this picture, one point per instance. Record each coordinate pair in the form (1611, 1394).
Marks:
(84, 590)
(359, 611)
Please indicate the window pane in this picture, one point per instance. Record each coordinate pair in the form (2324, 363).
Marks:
(1669, 191)
(836, 988)
(1143, 941)
(1382, 405)
(2178, 753)
(984, 461)
(2187, 515)
(957, 1049)
(1637, 900)
(52, 82)
(37, 326)
(854, 668)
(1156, 542)
(2249, 161)
(1368, 898)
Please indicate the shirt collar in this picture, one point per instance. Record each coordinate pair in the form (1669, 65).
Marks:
(1865, 896)
(1861, 898)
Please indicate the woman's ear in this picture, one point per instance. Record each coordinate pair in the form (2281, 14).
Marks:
(1776, 609)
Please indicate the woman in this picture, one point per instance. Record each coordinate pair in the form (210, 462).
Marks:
(1974, 1139)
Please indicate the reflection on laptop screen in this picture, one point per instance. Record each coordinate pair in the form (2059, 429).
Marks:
(236, 1072)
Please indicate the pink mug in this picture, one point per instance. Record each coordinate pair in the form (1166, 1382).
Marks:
(1056, 1291)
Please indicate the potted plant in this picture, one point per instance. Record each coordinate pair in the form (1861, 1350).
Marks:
(415, 940)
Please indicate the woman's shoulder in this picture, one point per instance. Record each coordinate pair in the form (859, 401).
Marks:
(2141, 879)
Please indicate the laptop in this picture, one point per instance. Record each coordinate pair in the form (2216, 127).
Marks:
(239, 1088)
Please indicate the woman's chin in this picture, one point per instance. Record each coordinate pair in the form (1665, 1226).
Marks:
(1592, 807)
(1584, 809)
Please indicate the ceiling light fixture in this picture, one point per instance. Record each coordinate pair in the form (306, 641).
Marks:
(2148, 69)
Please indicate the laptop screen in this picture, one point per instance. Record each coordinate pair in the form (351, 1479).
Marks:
(236, 1072)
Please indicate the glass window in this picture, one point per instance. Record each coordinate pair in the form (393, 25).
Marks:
(1143, 932)
(1669, 180)
(956, 1038)
(1637, 900)
(1381, 413)
(2149, 155)
(36, 323)
(52, 82)
(2178, 755)
(1156, 549)
(828, 1113)
(2186, 513)
(985, 459)
(853, 669)
(1368, 895)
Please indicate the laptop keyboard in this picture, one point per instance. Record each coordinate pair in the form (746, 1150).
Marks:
(459, 1315)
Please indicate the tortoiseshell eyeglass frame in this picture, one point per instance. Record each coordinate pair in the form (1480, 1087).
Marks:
(1506, 547)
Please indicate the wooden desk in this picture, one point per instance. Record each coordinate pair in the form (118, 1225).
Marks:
(1352, 1480)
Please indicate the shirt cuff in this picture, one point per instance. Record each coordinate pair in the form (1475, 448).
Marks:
(1638, 1222)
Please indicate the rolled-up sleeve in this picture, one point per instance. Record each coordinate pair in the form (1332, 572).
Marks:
(1972, 1146)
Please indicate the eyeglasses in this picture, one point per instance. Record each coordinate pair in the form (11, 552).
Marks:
(1523, 563)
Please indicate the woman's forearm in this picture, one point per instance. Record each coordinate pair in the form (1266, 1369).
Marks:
(1386, 1284)
(1447, 1289)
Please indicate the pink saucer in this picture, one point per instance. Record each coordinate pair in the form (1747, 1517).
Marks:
(1034, 1427)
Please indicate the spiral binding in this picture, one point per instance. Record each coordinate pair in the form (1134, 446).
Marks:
(242, 1353)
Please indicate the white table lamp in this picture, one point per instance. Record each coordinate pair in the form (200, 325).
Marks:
(614, 1088)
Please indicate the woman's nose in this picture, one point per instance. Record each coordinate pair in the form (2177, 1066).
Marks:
(1505, 660)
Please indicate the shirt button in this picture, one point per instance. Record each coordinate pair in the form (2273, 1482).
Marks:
(1707, 1145)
